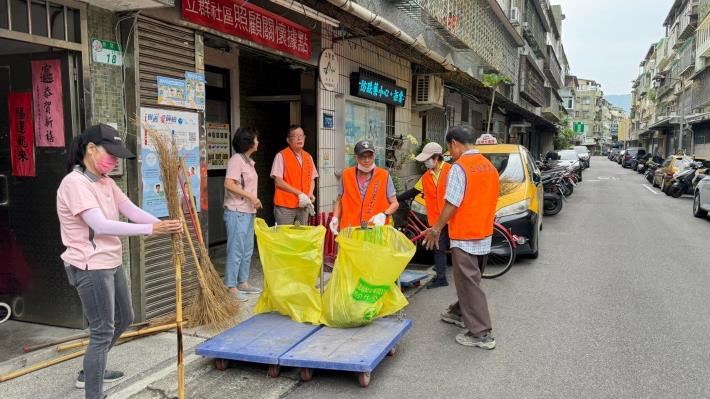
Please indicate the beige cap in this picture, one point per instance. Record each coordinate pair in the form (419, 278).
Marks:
(428, 151)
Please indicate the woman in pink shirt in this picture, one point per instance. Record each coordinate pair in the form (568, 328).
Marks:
(89, 205)
(240, 205)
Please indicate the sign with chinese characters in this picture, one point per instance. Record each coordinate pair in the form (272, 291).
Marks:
(171, 91)
(183, 127)
(328, 69)
(22, 148)
(578, 127)
(48, 105)
(106, 52)
(243, 19)
(217, 145)
(366, 85)
(195, 90)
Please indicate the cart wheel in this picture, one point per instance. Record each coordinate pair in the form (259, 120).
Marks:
(392, 351)
(221, 364)
(274, 370)
(364, 379)
(306, 374)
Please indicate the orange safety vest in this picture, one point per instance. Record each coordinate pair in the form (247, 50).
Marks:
(296, 175)
(475, 216)
(434, 193)
(353, 208)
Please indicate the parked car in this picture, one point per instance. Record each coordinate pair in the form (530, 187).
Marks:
(613, 153)
(664, 174)
(630, 154)
(620, 156)
(520, 202)
(584, 155)
(701, 198)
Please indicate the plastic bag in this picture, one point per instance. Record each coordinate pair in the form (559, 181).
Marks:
(363, 285)
(291, 258)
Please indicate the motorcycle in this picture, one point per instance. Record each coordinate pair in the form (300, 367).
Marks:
(683, 180)
(553, 195)
(651, 167)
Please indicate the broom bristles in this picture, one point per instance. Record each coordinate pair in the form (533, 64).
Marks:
(214, 306)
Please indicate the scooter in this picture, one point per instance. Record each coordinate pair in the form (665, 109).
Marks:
(553, 195)
(683, 180)
(651, 171)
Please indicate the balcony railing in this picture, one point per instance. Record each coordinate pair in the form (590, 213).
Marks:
(701, 89)
(552, 106)
(553, 70)
(688, 20)
(532, 83)
(687, 56)
(702, 38)
(672, 37)
(442, 16)
(534, 30)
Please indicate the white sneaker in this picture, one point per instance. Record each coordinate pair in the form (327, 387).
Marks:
(241, 296)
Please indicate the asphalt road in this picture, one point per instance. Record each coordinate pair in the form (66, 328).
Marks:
(616, 306)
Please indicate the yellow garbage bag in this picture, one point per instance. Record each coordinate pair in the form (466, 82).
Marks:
(363, 285)
(292, 258)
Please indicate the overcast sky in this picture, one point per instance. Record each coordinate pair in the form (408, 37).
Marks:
(605, 40)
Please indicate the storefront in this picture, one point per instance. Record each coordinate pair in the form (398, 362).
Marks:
(199, 73)
(43, 71)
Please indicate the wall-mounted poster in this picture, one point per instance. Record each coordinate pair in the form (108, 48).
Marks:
(183, 127)
(217, 145)
(48, 103)
(195, 93)
(364, 120)
(171, 91)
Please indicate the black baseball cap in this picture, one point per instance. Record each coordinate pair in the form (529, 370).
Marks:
(107, 137)
(364, 146)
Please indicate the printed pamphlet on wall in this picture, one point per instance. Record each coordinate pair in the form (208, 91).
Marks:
(183, 127)
(195, 94)
(171, 91)
(217, 145)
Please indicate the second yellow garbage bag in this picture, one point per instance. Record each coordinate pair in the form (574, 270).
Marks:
(363, 285)
(291, 258)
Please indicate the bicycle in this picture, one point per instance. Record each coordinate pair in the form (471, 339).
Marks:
(503, 243)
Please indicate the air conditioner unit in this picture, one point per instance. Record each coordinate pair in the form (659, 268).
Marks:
(428, 92)
(515, 15)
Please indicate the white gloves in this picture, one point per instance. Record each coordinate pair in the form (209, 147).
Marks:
(334, 224)
(303, 200)
(311, 209)
(378, 220)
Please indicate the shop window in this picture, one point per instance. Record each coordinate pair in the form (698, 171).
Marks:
(18, 12)
(464, 111)
(38, 10)
(392, 140)
(56, 21)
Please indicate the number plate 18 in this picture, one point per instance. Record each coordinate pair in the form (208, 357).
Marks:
(106, 52)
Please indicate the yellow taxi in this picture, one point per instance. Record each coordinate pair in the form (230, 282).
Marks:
(520, 201)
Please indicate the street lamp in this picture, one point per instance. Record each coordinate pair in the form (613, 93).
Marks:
(656, 83)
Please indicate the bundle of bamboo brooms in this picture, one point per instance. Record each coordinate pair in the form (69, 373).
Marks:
(214, 305)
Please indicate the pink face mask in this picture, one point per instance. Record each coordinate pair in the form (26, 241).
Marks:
(106, 163)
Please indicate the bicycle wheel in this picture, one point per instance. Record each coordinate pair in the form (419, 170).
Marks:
(4, 312)
(502, 254)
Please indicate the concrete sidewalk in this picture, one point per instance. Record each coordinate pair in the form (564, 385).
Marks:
(150, 367)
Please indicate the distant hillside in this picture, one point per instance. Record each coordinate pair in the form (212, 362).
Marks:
(620, 100)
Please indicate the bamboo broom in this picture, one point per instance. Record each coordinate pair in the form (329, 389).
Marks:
(168, 159)
(215, 306)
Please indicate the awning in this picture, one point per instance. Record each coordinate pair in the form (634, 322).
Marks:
(472, 86)
(698, 118)
(665, 123)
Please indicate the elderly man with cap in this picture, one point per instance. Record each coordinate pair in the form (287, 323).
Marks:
(366, 193)
(433, 185)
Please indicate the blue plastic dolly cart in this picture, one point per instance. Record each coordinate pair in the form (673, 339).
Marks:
(357, 350)
(263, 338)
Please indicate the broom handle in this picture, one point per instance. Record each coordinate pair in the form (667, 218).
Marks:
(130, 334)
(192, 201)
(200, 276)
(178, 322)
(188, 203)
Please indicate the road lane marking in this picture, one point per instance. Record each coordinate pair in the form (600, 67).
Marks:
(650, 189)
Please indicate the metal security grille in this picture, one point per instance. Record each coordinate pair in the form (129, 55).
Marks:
(163, 50)
(57, 23)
